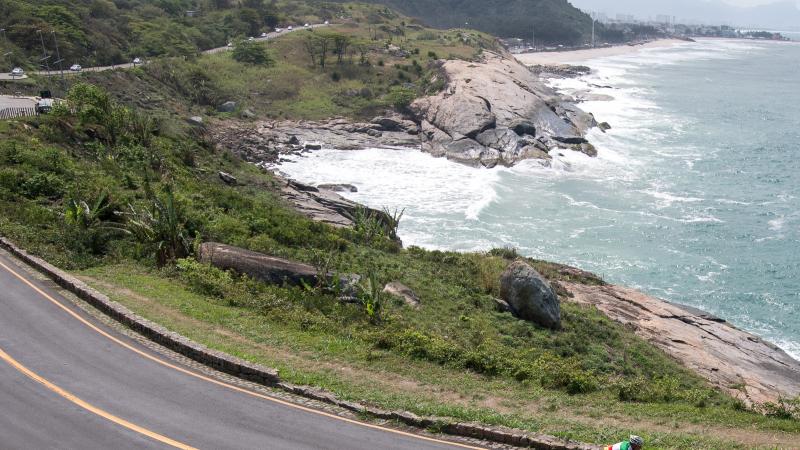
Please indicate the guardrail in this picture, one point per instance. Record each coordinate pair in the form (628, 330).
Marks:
(12, 113)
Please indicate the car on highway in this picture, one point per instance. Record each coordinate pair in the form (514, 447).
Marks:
(137, 61)
(327, 22)
(306, 25)
(290, 28)
(230, 44)
(263, 35)
(17, 72)
(44, 105)
(250, 38)
(279, 30)
(75, 68)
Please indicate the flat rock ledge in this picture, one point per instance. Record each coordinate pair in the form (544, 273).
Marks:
(265, 142)
(711, 347)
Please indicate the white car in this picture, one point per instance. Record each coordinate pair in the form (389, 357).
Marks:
(306, 25)
(137, 61)
(230, 44)
(278, 30)
(251, 38)
(263, 35)
(290, 28)
(75, 68)
(327, 22)
(17, 72)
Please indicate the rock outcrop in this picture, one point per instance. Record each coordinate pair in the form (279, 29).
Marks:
(490, 110)
(402, 292)
(324, 205)
(268, 269)
(530, 296)
(735, 361)
(264, 142)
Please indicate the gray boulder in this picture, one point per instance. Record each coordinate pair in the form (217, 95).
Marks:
(195, 121)
(403, 292)
(313, 146)
(502, 139)
(265, 268)
(530, 295)
(227, 107)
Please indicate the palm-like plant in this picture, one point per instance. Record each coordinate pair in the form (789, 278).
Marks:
(159, 226)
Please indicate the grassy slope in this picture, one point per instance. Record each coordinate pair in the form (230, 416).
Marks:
(482, 365)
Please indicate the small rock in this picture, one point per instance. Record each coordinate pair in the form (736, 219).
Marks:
(374, 133)
(604, 126)
(570, 139)
(196, 121)
(227, 107)
(313, 146)
(227, 178)
(293, 141)
(248, 114)
(404, 292)
(338, 187)
(503, 306)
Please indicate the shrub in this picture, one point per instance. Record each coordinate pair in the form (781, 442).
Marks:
(252, 53)
(401, 97)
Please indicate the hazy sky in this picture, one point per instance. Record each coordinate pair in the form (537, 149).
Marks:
(765, 13)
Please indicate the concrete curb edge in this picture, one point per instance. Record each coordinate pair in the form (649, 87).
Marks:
(269, 377)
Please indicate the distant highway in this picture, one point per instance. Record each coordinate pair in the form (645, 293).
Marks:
(56, 72)
(69, 382)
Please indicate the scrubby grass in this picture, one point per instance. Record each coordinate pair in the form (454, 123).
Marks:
(310, 350)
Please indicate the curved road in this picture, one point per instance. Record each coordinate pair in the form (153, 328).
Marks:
(56, 72)
(69, 382)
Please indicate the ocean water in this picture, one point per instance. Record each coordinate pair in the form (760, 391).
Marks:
(694, 197)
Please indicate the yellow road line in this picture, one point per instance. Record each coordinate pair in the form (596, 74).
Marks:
(89, 407)
(223, 384)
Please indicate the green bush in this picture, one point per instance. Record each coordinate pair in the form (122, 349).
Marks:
(252, 53)
(401, 97)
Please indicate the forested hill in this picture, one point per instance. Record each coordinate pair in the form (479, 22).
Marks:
(104, 32)
(555, 21)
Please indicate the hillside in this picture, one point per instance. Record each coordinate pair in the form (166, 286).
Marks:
(104, 32)
(555, 21)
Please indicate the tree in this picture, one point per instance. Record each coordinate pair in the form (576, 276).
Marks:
(341, 43)
(252, 53)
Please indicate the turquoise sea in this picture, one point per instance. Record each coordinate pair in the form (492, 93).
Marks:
(694, 198)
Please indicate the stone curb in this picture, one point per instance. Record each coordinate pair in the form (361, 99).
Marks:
(269, 377)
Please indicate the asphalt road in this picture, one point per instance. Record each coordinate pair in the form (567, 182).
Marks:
(69, 382)
(10, 101)
(56, 72)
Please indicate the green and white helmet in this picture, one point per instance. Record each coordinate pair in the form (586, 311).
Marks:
(636, 440)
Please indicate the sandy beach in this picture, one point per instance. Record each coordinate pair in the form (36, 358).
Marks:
(579, 56)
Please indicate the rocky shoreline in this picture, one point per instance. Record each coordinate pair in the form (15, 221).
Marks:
(492, 112)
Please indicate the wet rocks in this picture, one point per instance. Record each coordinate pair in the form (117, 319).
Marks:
(338, 187)
(227, 107)
(486, 109)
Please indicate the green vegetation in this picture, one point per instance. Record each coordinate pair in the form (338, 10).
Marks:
(96, 188)
(555, 21)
